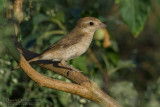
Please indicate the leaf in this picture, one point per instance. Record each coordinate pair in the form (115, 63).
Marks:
(38, 18)
(64, 98)
(113, 57)
(30, 40)
(80, 63)
(6, 40)
(122, 65)
(60, 16)
(55, 39)
(117, 1)
(134, 13)
(2, 4)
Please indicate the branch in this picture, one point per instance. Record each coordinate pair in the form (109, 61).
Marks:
(50, 83)
(84, 87)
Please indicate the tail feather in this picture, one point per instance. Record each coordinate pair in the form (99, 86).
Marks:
(34, 59)
(31, 60)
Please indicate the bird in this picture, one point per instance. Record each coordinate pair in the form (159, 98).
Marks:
(74, 44)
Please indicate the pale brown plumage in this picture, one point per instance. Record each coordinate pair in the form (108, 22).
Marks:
(74, 44)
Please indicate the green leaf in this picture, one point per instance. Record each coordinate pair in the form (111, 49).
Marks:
(80, 63)
(64, 98)
(117, 1)
(113, 57)
(38, 18)
(134, 13)
(2, 4)
(122, 65)
(60, 16)
(6, 41)
(55, 39)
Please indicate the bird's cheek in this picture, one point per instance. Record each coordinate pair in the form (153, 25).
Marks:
(83, 25)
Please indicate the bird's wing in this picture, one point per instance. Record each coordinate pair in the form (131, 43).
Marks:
(65, 42)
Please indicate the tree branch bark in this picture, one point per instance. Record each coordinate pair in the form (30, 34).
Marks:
(83, 86)
(92, 93)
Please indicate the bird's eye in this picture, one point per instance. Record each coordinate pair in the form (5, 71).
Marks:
(91, 23)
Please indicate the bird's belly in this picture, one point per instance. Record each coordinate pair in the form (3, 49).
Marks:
(66, 54)
(74, 52)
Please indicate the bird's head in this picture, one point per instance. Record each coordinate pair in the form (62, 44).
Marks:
(90, 24)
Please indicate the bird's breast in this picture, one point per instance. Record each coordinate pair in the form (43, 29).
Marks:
(79, 48)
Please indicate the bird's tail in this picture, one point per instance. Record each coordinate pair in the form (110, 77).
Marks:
(31, 60)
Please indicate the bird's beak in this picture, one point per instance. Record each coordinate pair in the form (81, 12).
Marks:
(102, 25)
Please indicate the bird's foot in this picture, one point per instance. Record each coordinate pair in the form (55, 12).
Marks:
(74, 69)
(63, 62)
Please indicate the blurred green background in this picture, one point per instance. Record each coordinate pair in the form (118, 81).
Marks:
(123, 59)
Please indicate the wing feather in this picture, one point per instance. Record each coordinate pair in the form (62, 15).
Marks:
(65, 42)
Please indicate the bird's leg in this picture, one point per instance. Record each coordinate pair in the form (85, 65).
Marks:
(64, 63)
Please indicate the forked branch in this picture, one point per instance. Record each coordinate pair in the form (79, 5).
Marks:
(83, 86)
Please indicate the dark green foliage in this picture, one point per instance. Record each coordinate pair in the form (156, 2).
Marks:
(131, 65)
